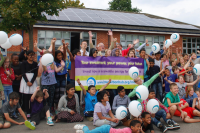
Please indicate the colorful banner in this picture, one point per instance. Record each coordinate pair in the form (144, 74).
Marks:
(97, 71)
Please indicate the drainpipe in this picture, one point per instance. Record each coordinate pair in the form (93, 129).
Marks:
(22, 37)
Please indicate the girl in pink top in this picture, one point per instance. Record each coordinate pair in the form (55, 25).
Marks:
(135, 127)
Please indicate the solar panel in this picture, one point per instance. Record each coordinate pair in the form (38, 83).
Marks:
(110, 17)
(74, 18)
(99, 20)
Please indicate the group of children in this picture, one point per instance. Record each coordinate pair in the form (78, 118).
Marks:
(164, 75)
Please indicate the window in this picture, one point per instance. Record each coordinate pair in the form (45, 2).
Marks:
(191, 45)
(86, 38)
(126, 39)
(44, 38)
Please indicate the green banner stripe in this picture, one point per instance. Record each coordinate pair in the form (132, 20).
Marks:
(106, 77)
(98, 87)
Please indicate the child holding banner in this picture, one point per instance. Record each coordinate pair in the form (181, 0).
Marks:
(90, 98)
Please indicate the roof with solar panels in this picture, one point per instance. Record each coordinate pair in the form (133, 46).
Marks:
(83, 17)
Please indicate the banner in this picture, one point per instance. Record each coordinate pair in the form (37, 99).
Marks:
(97, 71)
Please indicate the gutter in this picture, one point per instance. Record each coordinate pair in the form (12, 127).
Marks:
(54, 26)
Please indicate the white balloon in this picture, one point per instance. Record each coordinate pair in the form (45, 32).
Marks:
(6, 45)
(168, 42)
(196, 69)
(135, 108)
(16, 39)
(3, 37)
(142, 92)
(153, 106)
(47, 59)
(155, 47)
(133, 72)
(175, 37)
(121, 112)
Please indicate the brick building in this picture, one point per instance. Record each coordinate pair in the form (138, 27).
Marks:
(72, 24)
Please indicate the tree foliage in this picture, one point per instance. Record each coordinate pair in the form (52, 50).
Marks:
(76, 3)
(23, 14)
(122, 5)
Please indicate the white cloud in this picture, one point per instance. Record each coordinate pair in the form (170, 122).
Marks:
(180, 10)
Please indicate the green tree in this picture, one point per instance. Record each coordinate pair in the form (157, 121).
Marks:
(23, 14)
(122, 5)
(76, 3)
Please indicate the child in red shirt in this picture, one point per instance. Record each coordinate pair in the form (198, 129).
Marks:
(191, 112)
(7, 76)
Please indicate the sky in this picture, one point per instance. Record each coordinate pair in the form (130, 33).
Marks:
(181, 10)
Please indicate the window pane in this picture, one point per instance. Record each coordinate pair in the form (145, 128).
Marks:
(148, 50)
(58, 34)
(189, 40)
(135, 37)
(85, 34)
(194, 50)
(198, 45)
(49, 34)
(123, 43)
(161, 38)
(193, 45)
(149, 39)
(93, 41)
(189, 51)
(184, 51)
(128, 42)
(193, 39)
(66, 35)
(122, 37)
(58, 42)
(67, 40)
(41, 33)
(41, 41)
(94, 36)
(156, 39)
(184, 39)
(128, 37)
(161, 43)
(189, 45)
(141, 38)
(198, 40)
(48, 42)
(184, 45)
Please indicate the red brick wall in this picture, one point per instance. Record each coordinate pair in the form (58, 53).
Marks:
(102, 37)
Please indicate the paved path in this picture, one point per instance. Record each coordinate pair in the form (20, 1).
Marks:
(68, 127)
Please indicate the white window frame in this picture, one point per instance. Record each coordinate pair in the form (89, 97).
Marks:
(195, 45)
(45, 38)
(137, 36)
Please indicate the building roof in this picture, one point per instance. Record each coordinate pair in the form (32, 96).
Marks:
(85, 15)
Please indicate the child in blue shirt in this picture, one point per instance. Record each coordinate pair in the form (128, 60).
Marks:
(90, 98)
